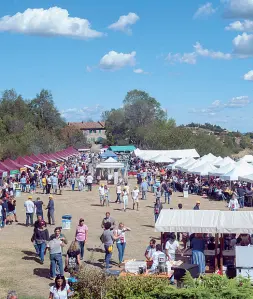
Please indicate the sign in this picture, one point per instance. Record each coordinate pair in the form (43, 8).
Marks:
(13, 172)
(5, 174)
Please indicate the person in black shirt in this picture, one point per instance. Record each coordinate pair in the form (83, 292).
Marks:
(211, 244)
(39, 207)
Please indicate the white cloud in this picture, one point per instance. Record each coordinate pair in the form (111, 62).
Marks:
(246, 25)
(248, 76)
(140, 71)
(124, 22)
(114, 60)
(204, 10)
(243, 44)
(79, 114)
(217, 106)
(241, 9)
(210, 53)
(191, 58)
(54, 21)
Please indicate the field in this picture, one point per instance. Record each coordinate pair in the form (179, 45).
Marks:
(19, 266)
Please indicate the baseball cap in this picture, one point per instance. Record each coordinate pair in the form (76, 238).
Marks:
(50, 196)
(30, 197)
(198, 201)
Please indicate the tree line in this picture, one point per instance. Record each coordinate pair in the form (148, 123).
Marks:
(142, 121)
(33, 126)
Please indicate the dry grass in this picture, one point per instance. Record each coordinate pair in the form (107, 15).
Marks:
(18, 265)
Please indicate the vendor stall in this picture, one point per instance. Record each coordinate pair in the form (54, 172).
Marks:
(110, 170)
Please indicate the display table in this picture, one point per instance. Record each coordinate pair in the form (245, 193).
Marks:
(188, 252)
(162, 275)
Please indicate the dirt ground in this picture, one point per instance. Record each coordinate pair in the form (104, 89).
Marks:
(19, 267)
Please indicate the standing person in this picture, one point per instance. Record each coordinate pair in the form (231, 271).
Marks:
(171, 247)
(72, 260)
(198, 257)
(121, 241)
(106, 198)
(108, 238)
(11, 210)
(241, 195)
(39, 207)
(29, 207)
(118, 193)
(125, 199)
(150, 249)
(23, 183)
(144, 189)
(55, 183)
(40, 238)
(4, 212)
(82, 182)
(49, 183)
(107, 219)
(135, 197)
(89, 180)
(55, 249)
(197, 206)
(50, 211)
(73, 182)
(60, 290)
(101, 191)
(44, 184)
(157, 209)
(81, 235)
(233, 204)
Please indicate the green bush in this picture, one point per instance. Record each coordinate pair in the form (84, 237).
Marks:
(94, 284)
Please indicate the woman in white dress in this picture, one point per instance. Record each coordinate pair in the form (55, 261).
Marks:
(135, 197)
(125, 198)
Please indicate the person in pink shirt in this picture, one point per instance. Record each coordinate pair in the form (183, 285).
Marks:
(81, 235)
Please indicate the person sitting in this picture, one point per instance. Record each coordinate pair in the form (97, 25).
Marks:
(150, 249)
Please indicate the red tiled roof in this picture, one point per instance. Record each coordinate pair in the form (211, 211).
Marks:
(88, 125)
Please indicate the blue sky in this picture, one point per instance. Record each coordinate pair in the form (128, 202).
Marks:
(194, 57)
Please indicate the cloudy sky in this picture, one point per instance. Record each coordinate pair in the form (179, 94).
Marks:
(195, 57)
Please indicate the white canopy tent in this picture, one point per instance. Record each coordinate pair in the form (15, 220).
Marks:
(190, 161)
(110, 163)
(217, 160)
(247, 178)
(177, 163)
(203, 170)
(247, 158)
(205, 221)
(225, 161)
(241, 169)
(222, 170)
(173, 154)
(208, 158)
(162, 158)
(194, 165)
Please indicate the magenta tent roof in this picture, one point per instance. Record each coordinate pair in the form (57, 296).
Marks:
(6, 167)
(27, 158)
(23, 161)
(12, 163)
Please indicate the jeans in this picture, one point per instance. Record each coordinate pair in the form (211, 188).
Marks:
(73, 187)
(156, 217)
(48, 188)
(1, 221)
(121, 249)
(241, 202)
(44, 189)
(50, 216)
(81, 245)
(56, 258)
(167, 196)
(108, 256)
(41, 250)
(144, 194)
(89, 186)
(23, 187)
(118, 198)
(40, 214)
(29, 218)
(174, 187)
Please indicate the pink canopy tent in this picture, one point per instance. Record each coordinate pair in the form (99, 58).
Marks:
(12, 163)
(23, 161)
(6, 167)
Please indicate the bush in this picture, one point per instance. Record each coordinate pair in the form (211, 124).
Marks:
(94, 284)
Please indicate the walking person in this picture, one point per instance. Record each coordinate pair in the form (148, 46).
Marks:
(157, 208)
(108, 238)
(121, 241)
(39, 207)
(49, 183)
(40, 238)
(135, 197)
(89, 180)
(108, 218)
(29, 209)
(125, 199)
(118, 193)
(55, 249)
(73, 257)
(55, 183)
(106, 198)
(144, 189)
(50, 211)
(44, 184)
(73, 182)
(60, 290)
(101, 191)
(81, 236)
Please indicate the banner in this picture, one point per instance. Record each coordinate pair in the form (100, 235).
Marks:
(13, 172)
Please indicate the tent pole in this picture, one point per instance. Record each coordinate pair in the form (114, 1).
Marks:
(221, 252)
(216, 252)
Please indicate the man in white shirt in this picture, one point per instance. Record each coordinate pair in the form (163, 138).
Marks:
(29, 207)
(101, 191)
(171, 247)
(135, 197)
(155, 257)
(89, 181)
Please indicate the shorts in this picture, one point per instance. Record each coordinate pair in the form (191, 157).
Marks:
(136, 199)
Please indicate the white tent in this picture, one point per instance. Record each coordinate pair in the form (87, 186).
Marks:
(246, 178)
(225, 161)
(187, 221)
(188, 162)
(162, 158)
(208, 158)
(177, 163)
(247, 158)
(203, 169)
(241, 169)
(173, 154)
(222, 170)
(217, 160)
(205, 221)
(197, 163)
(110, 163)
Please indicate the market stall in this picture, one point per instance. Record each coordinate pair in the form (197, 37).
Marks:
(110, 170)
